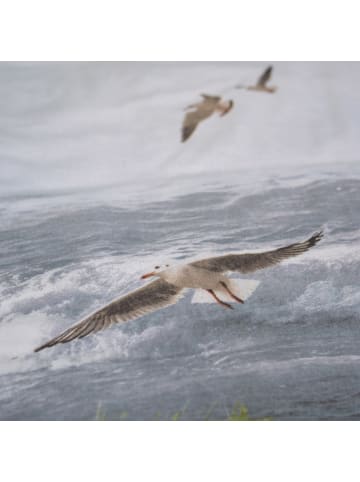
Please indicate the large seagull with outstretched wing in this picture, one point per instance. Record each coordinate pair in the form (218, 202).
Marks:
(207, 274)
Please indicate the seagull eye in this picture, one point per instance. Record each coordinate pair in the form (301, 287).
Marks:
(157, 267)
(167, 265)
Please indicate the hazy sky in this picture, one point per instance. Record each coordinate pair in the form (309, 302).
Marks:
(68, 125)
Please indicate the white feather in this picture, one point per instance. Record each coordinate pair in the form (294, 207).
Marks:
(242, 288)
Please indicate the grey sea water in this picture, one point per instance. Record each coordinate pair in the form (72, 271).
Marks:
(96, 189)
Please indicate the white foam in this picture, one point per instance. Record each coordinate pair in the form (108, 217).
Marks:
(19, 335)
(325, 295)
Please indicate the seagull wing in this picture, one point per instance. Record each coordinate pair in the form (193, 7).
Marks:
(265, 76)
(248, 262)
(193, 117)
(214, 99)
(154, 296)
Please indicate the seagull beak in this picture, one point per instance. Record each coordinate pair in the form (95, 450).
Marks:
(147, 275)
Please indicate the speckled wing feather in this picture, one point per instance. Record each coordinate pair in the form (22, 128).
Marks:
(265, 76)
(248, 262)
(154, 296)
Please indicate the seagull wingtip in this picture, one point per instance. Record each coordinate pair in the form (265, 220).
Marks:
(39, 348)
(316, 237)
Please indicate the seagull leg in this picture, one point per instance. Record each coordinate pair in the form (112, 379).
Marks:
(226, 305)
(239, 300)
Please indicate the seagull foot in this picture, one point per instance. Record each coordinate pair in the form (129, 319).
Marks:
(222, 303)
(239, 300)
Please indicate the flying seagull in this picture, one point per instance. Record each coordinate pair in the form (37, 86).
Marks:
(207, 274)
(203, 110)
(261, 83)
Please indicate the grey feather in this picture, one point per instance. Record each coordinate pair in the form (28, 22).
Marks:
(203, 110)
(248, 262)
(265, 76)
(214, 99)
(154, 296)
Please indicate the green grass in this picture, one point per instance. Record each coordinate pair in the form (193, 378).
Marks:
(238, 413)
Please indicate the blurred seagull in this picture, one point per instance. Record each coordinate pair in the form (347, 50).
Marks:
(261, 83)
(206, 274)
(203, 110)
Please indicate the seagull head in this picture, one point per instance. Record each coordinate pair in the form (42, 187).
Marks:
(156, 272)
(227, 107)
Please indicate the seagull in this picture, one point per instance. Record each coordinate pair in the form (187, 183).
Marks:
(203, 110)
(206, 274)
(261, 83)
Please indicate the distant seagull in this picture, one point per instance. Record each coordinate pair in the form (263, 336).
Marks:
(203, 110)
(206, 274)
(261, 83)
